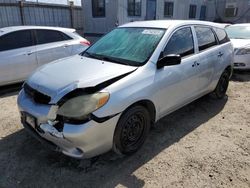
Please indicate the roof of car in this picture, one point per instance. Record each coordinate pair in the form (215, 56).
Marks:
(17, 28)
(167, 23)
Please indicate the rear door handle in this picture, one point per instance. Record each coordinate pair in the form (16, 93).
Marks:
(65, 45)
(220, 54)
(28, 53)
(195, 64)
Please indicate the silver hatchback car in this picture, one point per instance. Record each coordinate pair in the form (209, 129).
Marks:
(108, 96)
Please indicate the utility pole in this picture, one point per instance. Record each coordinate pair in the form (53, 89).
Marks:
(21, 4)
(71, 9)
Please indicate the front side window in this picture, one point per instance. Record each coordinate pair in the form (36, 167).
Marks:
(181, 43)
(238, 32)
(192, 11)
(48, 36)
(134, 7)
(98, 8)
(222, 35)
(131, 46)
(205, 37)
(168, 9)
(17, 39)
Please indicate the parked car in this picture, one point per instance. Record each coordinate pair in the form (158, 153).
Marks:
(239, 34)
(109, 96)
(24, 48)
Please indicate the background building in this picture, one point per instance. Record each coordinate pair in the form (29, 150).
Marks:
(233, 11)
(101, 16)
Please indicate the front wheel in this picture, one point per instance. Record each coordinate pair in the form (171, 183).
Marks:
(131, 130)
(221, 88)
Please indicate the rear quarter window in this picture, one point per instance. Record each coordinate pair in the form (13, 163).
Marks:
(48, 36)
(221, 35)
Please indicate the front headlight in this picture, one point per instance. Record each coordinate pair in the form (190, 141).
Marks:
(80, 107)
(243, 51)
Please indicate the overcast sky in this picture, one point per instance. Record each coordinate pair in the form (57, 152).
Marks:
(64, 2)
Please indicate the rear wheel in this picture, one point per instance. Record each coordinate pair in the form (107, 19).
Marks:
(131, 130)
(221, 88)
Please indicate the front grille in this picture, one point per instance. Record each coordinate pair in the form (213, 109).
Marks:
(239, 64)
(37, 96)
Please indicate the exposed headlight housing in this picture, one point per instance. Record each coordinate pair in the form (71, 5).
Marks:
(80, 107)
(243, 51)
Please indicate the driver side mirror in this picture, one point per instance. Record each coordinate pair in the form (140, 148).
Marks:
(169, 60)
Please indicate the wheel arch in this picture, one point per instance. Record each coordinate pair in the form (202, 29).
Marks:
(149, 105)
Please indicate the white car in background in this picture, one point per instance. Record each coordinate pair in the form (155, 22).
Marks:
(24, 48)
(239, 34)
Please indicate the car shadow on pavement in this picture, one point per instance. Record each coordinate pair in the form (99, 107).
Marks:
(24, 162)
(10, 90)
(241, 76)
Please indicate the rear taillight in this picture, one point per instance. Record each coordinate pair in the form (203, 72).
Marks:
(85, 43)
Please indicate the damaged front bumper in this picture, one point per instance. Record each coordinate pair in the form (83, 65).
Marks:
(80, 141)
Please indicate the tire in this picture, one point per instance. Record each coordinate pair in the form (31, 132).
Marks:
(221, 88)
(131, 130)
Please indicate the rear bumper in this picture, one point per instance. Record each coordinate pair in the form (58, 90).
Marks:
(80, 141)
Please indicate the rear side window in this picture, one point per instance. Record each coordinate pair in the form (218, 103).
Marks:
(206, 38)
(222, 35)
(181, 43)
(48, 36)
(15, 40)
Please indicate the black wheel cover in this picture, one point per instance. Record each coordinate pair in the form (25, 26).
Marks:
(131, 130)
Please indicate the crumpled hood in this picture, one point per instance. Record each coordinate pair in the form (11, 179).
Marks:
(240, 43)
(62, 76)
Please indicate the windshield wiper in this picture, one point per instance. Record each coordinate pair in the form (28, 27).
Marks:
(108, 58)
(92, 55)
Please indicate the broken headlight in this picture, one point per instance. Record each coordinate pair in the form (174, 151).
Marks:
(81, 106)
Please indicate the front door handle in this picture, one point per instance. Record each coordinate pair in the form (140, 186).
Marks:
(220, 54)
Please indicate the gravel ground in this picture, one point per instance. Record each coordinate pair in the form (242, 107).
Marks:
(205, 144)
